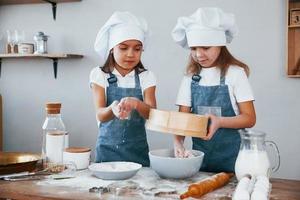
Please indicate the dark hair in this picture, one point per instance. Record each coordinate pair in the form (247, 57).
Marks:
(224, 60)
(110, 63)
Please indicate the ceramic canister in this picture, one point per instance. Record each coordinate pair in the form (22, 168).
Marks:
(80, 156)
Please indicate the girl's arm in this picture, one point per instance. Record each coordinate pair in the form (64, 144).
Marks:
(179, 149)
(143, 107)
(103, 113)
(149, 102)
(246, 119)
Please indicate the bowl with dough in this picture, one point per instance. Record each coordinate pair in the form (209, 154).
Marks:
(166, 165)
(114, 170)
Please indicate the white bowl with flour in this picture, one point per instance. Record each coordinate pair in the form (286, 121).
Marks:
(166, 165)
(114, 170)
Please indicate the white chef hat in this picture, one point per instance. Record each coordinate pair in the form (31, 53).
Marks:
(206, 27)
(121, 26)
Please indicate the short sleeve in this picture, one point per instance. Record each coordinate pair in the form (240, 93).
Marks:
(184, 94)
(242, 89)
(148, 79)
(97, 77)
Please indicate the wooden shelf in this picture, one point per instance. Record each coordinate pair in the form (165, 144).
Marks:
(293, 39)
(10, 2)
(294, 26)
(52, 2)
(294, 76)
(55, 55)
(54, 58)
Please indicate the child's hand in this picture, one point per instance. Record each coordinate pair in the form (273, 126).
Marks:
(115, 108)
(180, 151)
(126, 105)
(213, 127)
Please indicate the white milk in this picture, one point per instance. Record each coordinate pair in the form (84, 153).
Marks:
(252, 162)
(56, 141)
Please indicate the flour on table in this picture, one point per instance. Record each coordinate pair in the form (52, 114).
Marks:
(83, 180)
(150, 184)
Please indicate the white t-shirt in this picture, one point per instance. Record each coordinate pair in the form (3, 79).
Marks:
(236, 79)
(147, 79)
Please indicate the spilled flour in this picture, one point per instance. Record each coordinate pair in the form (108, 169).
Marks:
(147, 185)
(146, 178)
(83, 180)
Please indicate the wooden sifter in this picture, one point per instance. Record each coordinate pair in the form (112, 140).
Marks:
(178, 123)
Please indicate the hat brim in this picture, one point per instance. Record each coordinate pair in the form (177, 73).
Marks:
(196, 38)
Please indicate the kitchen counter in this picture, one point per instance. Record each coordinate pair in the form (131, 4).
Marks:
(149, 186)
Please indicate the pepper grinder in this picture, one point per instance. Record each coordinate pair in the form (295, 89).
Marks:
(41, 42)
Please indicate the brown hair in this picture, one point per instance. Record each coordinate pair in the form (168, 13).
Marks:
(110, 64)
(224, 60)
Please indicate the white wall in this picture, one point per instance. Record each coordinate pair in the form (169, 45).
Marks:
(27, 84)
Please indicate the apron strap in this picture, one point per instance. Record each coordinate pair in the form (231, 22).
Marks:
(137, 81)
(196, 79)
(222, 80)
(112, 80)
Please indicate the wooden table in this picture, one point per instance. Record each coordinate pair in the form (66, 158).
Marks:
(35, 190)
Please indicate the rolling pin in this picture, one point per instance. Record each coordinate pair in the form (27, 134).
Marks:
(196, 190)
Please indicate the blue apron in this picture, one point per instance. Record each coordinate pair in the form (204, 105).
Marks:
(222, 150)
(123, 140)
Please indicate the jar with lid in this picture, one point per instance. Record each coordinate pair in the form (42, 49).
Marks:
(55, 137)
(41, 43)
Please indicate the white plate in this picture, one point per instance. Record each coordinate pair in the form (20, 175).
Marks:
(114, 170)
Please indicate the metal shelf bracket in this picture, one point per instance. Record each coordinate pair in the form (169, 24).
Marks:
(54, 6)
(55, 64)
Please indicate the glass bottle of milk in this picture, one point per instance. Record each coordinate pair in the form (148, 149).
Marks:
(55, 138)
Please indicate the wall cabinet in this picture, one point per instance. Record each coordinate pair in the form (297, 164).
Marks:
(293, 38)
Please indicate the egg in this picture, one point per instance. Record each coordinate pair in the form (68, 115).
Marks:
(241, 195)
(258, 195)
(261, 189)
(263, 179)
(243, 183)
(261, 185)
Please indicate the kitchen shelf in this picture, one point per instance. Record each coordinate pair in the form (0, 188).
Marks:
(52, 2)
(294, 26)
(53, 57)
(293, 39)
(6, 2)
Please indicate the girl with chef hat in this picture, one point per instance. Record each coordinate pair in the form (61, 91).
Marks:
(123, 90)
(214, 78)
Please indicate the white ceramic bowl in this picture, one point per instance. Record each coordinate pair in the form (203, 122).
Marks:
(164, 163)
(114, 170)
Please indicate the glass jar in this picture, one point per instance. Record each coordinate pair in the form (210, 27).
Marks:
(253, 158)
(55, 138)
(41, 43)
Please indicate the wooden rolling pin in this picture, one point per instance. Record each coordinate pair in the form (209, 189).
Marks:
(196, 190)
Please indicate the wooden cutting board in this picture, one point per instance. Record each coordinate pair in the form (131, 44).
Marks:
(178, 123)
